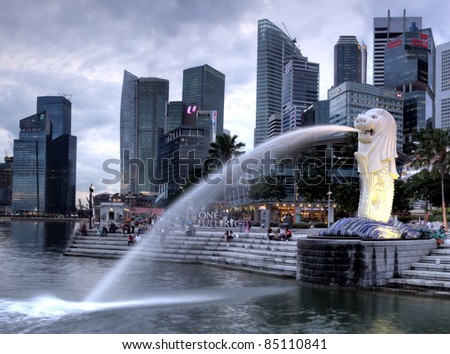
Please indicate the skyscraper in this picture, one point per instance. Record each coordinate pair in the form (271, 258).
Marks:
(410, 67)
(274, 46)
(59, 110)
(6, 185)
(443, 86)
(350, 61)
(30, 164)
(204, 87)
(142, 119)
(45, 157)
(385, 29)
(300, 90)
(61, 155)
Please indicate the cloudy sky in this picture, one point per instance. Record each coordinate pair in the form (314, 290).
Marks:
(81, 48)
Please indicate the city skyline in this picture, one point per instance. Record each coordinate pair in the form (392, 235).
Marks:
(80, 50)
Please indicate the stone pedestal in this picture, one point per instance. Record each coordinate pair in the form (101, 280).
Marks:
(356, 262)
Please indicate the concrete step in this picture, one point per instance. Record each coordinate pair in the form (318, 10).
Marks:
(253, 253)
(431, 266)
(421, 283)
(441, 251)
(427, 274)
(431, 275)
(432, 259)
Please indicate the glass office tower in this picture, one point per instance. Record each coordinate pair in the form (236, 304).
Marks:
(410, 67)
(142, 119)
(204, 87)
(385, 29)
(6, 169)
(274, 46)
(61, 175)
(62, 155)
(300, 89)
(59, 110)
(30, 164)
(350, 61)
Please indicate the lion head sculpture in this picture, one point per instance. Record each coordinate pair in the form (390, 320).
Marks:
(377, 150)
(377, 139)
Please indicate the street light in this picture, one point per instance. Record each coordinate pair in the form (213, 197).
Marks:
(91, 190)
(329, 193)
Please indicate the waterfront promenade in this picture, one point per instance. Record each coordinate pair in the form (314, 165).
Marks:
(252, 253)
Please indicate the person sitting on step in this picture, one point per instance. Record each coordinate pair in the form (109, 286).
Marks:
(270, 234)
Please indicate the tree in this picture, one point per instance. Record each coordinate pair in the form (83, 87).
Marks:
(401, 197)
(426, 186)
(224, 148)
(350, 144)
(346, 197)
(267, 189)
(312, 184)
(432, 151)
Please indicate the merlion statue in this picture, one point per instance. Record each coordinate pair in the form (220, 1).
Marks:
(377, 150)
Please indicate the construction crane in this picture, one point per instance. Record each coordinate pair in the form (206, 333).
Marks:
(289, 35)
(10, 143)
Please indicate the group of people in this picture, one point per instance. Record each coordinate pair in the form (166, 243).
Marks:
(228, 235)
(133, 239)
(280, 234)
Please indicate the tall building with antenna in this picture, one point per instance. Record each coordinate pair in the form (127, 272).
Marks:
(274, 47)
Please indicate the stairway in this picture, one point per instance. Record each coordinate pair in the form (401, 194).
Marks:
(429, 276)
(254, 253)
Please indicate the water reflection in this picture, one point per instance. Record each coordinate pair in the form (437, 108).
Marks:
(157, 297)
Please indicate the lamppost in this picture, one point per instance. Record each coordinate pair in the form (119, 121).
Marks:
(329, 193)
(91, 190)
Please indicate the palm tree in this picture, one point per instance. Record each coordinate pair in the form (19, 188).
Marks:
(223, 150)
(432, 151)
(225, 147)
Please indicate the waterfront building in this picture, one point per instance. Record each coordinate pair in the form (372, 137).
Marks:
(385, 29)
(182, 153)
(350, 99)
(183, 150)
(6, 185)
(30, 164)
(45, 159)
(274, 46)
(442, 103)
(410, 68)
(350, 60)
(61, 175)
(62, 155)
(142, 120)
(300, 89)
(204, 88)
